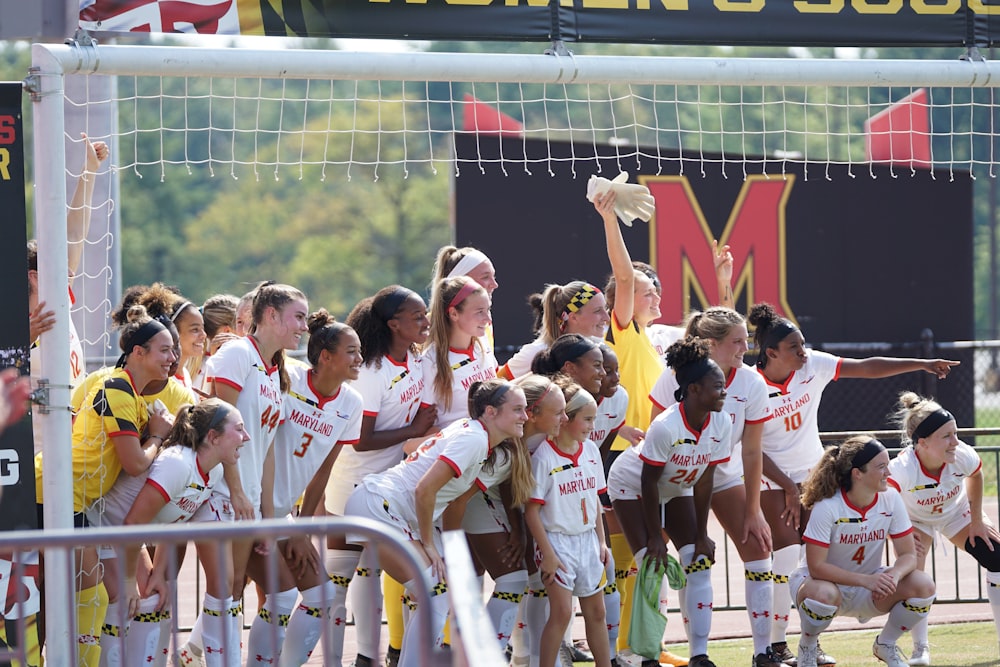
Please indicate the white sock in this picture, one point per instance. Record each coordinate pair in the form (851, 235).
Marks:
(759, 587)
(993, 595)
(409, 655)
(234, 634)
(367, 599)
(814, 618)
(267, 633)
(306, 625)
(113, 635)
(697, 598)
(143, 636)
(502, 605)
(340, 564)
(536, 611)
(785, 560)
(166, 631)
(612, 606)
(919, 634)
(518, 649)
(195, 640)
(214, 619)
(903, 616)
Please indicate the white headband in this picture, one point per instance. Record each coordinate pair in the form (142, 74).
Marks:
(471, 260)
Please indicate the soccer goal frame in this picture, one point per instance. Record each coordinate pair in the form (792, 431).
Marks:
(46, 84)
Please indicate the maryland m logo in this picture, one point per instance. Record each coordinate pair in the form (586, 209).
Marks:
(681, 244)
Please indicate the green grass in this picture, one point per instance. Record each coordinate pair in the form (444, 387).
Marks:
(952, 645)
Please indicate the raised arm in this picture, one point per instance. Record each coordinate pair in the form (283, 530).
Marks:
(621, 261)
(882, 367)
(724, 274)
(79, 209)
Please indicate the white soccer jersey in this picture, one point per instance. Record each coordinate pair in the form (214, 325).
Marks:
(856, 536)
(463, 445)
(311, 426)
(682, 451)
(746, 403)
(520, 363)
(567, 487)
(391, 394)
(928, 498)
(663, 336)
(791, 436)
(610, 415)
(176, 475)
(467, 366)
(76, 373)
(238, 364)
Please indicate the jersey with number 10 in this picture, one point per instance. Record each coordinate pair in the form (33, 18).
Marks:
(238, 364)
(311, 427)
(791, 436)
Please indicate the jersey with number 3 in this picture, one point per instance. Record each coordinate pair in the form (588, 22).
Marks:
(310, 428)
(391, 395)
(855, 536)
(238, 364)
(567, 486)
(791, 436)
(930, 497)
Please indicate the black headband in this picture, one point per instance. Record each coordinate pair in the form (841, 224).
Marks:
(871, 449)
(931, 423)
(690, 374)
(220, 414)
(140, 336)
(775, 335)
(573, 351)
(387, 307)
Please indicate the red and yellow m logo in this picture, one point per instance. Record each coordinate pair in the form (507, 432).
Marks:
(681, 244)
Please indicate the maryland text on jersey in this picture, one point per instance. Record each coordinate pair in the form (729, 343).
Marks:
(787, 408)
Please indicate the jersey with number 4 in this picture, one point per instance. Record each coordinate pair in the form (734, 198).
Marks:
(391, 395)
(855, 536)
(567, 487)
(929, 497)
(312, 425)
(791, 436)
(238, 364)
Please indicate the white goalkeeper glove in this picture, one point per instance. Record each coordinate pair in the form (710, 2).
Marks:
(631, 200)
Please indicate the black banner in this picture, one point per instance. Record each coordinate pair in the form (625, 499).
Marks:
(844, 257)
(17, 471)
(746, 22)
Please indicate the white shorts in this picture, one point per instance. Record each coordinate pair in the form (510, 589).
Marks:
(216, 508)
(797, 476)
(337, 492)
(583, 571)
(729, 473)
(485, 514)
(949, 523)
(370, 505)
(855, 601)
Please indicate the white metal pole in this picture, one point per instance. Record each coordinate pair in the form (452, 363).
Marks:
(53, 268)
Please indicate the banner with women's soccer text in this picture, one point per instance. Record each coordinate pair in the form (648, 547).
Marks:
(17, 472)
(789, 22)
(846, 257)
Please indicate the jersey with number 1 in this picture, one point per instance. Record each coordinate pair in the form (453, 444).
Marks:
(567, 487)
(791, 436)
(310, 428)
(855, 536)
(238, 364)
(391, 395)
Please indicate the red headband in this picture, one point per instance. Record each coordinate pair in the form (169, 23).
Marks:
(468, 288)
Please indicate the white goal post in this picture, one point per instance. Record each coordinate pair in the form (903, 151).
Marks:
(619, 82)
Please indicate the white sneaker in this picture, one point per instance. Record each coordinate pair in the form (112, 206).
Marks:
(889, 654)
(921, 655)
(189, 656)
(807, 655)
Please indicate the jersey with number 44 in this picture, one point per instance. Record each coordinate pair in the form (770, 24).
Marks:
(312, 425)
(791, 436)
(855, 536)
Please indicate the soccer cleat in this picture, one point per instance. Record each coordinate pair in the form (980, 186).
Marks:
(565, 658)
(578, 652)
(889, 654)
(921, 655)
(668, 658)
(766, 659)
(363, 661)
(783, 653)
(700, 660)
(822, 659)
(392, 657)
(807, 656)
